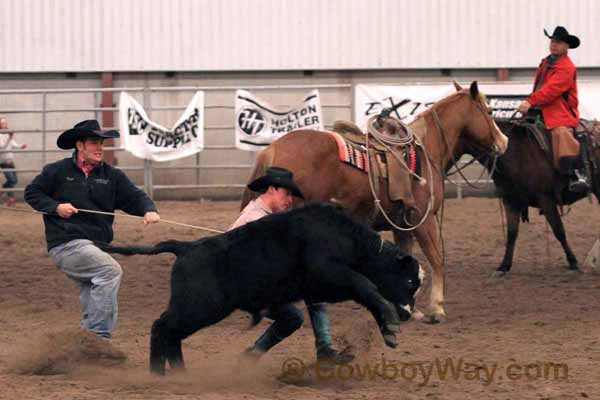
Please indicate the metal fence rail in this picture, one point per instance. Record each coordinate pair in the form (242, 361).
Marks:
(44, 97)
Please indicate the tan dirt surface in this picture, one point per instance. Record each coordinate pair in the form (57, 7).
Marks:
(534, 334)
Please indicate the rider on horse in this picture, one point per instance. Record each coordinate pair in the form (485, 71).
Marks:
(555, 94)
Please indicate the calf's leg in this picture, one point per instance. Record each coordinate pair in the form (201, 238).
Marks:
(360, 289)
(168, 331)
(158, 345)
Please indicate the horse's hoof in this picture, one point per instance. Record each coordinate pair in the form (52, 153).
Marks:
(435, 318)
(390, 340)
(418, 315)
(499, 273)
(574, 268)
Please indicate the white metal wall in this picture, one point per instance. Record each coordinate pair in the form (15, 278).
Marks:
(237, 35)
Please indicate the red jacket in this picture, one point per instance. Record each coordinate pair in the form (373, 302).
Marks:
(560, 78)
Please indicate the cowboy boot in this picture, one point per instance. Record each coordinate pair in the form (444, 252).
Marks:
(570, 168)
(323, 343)
(579, 183)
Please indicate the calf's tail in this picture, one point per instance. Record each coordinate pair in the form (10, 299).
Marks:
(169, 246)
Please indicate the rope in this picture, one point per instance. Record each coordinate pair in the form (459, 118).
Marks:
(475, 184)
(377, 201)
(166, 221)
(502, 219)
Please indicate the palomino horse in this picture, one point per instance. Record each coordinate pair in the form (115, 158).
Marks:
(525, 177)
(313, 158)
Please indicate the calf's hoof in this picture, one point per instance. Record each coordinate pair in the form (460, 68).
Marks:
(393, 327)
(157, 371)
(390, 340)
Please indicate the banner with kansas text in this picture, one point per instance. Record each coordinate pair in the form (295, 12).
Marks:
(503, 98)
(148, 140)
(258, 123)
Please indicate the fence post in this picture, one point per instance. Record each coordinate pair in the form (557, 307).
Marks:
(148, 184)
(44, 129)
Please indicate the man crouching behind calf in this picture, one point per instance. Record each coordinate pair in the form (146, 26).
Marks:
(277, 189)
(84, 181)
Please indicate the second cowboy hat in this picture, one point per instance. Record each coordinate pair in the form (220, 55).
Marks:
(561, 33)
(81, 130)
(275, 176)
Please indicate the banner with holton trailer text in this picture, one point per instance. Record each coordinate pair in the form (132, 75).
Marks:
(149, 140)
(258, 123)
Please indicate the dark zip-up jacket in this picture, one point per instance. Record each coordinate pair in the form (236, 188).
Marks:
(105, 189)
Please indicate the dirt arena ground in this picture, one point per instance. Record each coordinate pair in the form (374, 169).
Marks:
(534, 334)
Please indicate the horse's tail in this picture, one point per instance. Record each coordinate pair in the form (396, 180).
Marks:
(170, 246)
(264, 160)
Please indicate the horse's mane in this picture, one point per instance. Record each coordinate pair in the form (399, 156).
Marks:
(451, 98)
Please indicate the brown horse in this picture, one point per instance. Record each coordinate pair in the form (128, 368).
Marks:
(313, 158)
(525, 177)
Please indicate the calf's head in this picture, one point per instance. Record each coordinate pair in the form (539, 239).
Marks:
(399, 278)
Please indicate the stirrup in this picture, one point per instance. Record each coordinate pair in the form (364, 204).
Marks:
(578, 184)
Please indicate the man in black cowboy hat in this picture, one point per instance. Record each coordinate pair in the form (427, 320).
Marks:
(277, 188)
(555, 93)
(84, 181)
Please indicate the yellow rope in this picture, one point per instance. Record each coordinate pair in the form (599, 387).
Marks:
(118, 215)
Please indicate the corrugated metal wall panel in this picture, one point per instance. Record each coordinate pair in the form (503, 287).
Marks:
(230, 35)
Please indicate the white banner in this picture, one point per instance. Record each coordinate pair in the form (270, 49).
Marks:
(502, 97)
(258, 124)
(149, 140)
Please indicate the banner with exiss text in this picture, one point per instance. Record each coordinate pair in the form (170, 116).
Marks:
(503, 98)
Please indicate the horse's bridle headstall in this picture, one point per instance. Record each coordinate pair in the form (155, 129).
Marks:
(486, 152)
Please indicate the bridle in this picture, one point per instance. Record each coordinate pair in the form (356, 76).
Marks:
(458, 169)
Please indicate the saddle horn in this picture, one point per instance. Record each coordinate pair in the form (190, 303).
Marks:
(385, 113)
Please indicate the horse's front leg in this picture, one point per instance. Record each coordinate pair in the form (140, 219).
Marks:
(550, 211)
(405, 241)
(428, 237)
(513, 218)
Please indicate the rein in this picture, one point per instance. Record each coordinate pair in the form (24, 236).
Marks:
(458, 169)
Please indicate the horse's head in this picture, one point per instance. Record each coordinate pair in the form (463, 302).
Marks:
(480, 128)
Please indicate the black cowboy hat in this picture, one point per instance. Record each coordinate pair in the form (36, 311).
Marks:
(82, 130)
(279, 177)
(561, 33)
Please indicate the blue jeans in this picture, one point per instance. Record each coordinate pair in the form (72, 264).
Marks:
(98, 276)
(11, 176)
